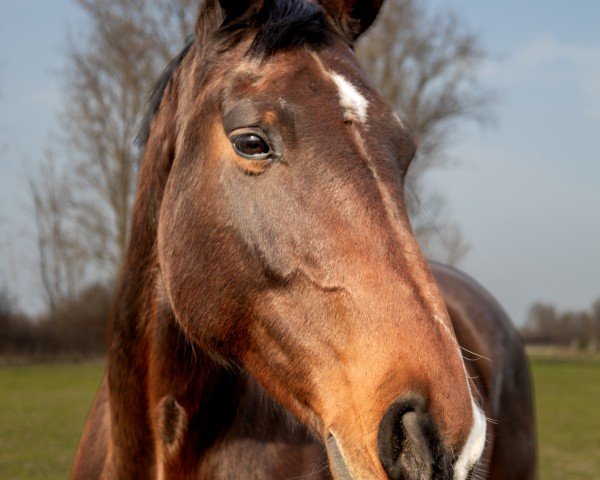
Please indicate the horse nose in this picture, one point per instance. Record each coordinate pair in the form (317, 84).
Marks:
(408, 443)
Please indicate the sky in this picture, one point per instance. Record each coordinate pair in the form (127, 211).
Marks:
(33, 36)
(525, 189)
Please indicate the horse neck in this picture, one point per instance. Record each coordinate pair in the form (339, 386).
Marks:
(129, 339)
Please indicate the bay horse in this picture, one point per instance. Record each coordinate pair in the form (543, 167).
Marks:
(275, 317)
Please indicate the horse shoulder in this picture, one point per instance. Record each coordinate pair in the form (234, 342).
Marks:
(495, 359)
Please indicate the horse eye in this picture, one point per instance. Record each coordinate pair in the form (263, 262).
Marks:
(251, 145)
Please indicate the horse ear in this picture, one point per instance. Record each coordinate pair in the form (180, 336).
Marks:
(353, 17)
(215, 13)
(234, 9)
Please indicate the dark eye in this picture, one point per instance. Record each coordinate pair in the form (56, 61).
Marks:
(251, 145)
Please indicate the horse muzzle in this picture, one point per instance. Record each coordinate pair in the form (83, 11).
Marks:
(410, 448)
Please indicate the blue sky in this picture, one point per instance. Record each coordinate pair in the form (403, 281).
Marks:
(32, 39)
(525, 190)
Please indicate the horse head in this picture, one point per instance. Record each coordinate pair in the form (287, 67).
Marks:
(283, 243)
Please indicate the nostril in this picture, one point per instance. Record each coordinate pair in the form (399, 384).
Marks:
(416, 430)
(407, 442)
(392, 432)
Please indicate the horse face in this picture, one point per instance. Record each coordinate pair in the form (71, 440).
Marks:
(284, 247)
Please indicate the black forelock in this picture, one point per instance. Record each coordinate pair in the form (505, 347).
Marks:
(277, 25)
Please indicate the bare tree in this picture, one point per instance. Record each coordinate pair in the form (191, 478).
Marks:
(60, 254)
(109, 73)
(82, 205)
(439, 237)
(7, 303)
(426, 67)
(7, 309)
(543, 318)
(573, 328)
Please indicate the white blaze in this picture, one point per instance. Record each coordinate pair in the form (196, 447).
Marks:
(473, 448)
(354, 104)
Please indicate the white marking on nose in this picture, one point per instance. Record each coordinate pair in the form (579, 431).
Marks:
(355, 105)
(473, 448)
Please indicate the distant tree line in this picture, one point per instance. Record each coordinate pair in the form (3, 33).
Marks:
(546, 325)
(76, 327)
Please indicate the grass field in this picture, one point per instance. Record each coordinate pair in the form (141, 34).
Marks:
(42, 409)
(568, 412)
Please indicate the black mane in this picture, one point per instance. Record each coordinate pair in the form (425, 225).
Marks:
(277, 25)
(157, 93)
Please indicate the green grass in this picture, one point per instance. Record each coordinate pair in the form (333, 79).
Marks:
(568, 412)
(42, 410)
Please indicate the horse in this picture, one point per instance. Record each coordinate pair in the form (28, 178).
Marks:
(275, 317)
